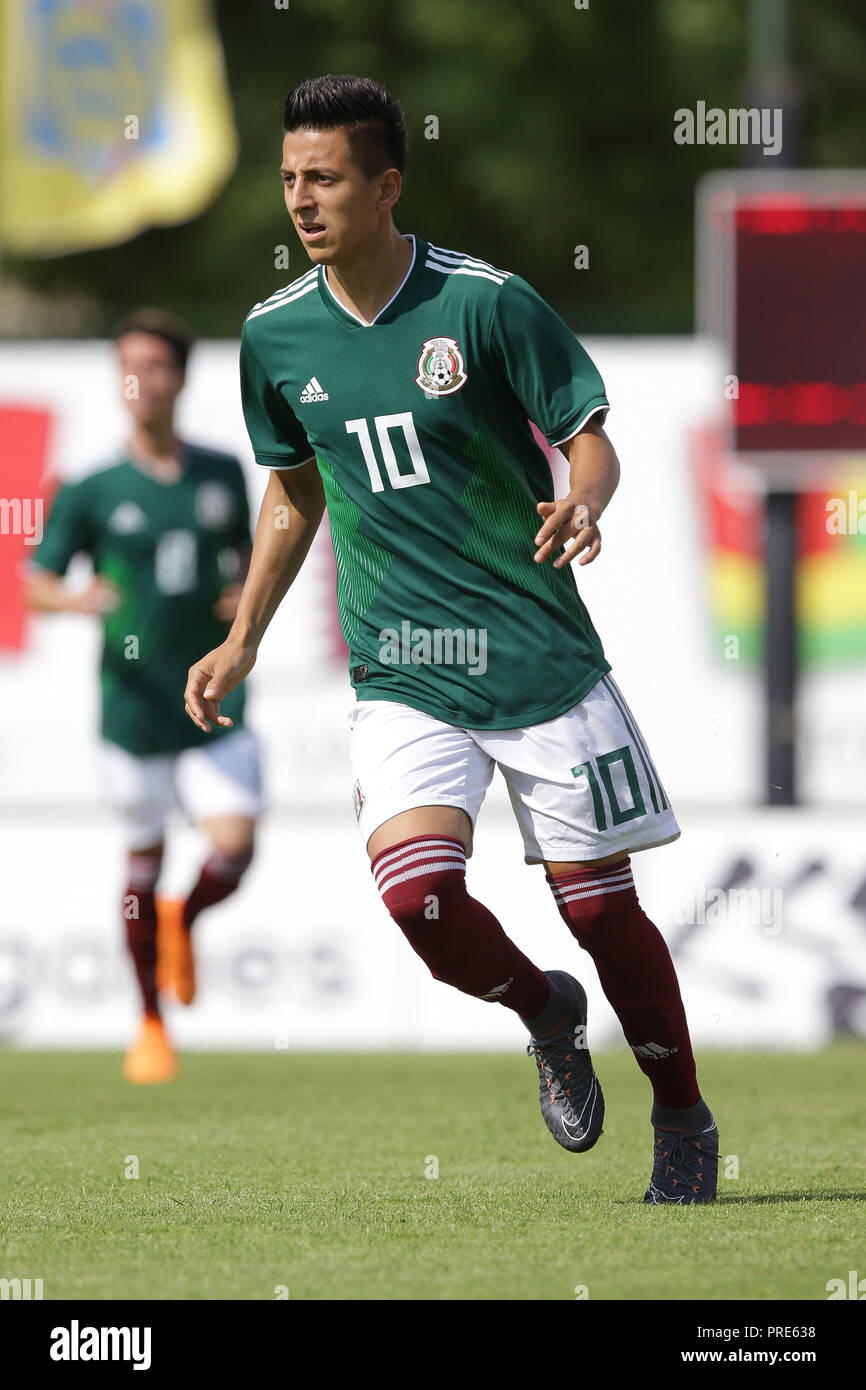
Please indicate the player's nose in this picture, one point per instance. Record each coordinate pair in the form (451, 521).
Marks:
(302, 195)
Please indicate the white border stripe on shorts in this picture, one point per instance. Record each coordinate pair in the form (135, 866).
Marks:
(642, 741)
(653, 779)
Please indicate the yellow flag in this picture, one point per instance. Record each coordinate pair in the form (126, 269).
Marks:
(115, 116)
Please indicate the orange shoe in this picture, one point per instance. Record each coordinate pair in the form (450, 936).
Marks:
(175, 964)
(151, 1057)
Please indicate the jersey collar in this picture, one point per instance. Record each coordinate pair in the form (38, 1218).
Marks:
(140, 465)
(416, 266)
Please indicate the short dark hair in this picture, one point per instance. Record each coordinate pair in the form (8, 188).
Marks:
(375, 122)
(161, 325)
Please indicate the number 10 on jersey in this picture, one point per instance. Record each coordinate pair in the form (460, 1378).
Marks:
(384, 424)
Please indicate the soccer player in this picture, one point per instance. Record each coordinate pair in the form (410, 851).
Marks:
(395, 382)
(167, 528)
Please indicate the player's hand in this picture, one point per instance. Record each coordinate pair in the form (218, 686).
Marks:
(100, 597)
(226, 605)
(211, 679)
(571, 524)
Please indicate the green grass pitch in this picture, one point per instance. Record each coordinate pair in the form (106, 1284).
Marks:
(310, 1173)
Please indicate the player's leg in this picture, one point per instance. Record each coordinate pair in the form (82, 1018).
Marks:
(219, 785)
(600, 906)
(418, 786)
(586, 792)
(418, 860)
(139, 790)
(139, 911)
(232, 842)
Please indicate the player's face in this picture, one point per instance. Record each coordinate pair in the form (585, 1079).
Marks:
(336, 209)
(151, 377)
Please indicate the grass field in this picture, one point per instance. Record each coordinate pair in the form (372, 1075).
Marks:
(309, 1172)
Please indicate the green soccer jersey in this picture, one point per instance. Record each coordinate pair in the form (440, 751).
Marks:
(169, 548)
(419, 423)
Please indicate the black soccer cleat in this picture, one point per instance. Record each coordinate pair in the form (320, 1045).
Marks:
(571, 1100)
(685, 1167)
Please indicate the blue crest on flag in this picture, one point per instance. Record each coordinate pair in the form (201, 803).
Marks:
(100, 79)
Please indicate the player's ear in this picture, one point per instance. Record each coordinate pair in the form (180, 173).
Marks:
(390, 186)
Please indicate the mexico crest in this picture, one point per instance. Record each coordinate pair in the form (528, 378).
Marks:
(214, 506)
(441, 369)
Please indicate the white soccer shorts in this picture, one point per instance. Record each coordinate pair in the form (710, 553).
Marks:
(222, 778)
(583, 786)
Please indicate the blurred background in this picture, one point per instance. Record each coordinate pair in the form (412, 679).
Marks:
(718, 287)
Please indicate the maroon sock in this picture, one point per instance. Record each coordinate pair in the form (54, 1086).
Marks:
(601, 909)
(139, 913)
(423, 884)
(219, 877)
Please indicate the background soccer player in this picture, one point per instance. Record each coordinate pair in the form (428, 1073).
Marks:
(395, 381)
(167, 528)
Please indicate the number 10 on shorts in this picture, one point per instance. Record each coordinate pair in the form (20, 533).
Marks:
(599, 775)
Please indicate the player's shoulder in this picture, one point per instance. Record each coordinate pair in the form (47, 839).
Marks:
(284, 303)
(460, 268)
(96, 478)
(215, 462)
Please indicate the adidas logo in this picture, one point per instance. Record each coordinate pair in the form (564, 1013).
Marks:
(499, 989)
(653, 1052)
(313, 392)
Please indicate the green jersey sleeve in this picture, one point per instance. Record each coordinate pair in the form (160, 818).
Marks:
(277, 437)
(67, 531)
(552, 376)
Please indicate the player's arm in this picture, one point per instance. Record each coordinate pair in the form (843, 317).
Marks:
(48, 592)
(593, 479)
(560, 388)
(68, 532)
(291, 510)
(240, 550)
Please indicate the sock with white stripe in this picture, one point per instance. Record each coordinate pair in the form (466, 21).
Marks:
(602, 912)
(423, 886)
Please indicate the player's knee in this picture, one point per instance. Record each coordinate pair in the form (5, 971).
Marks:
(233, 837)
(422, 881)
(425, 902)
(586, 924)
(591, 901)
(442, 942)
(230, 867)
(143, 869)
